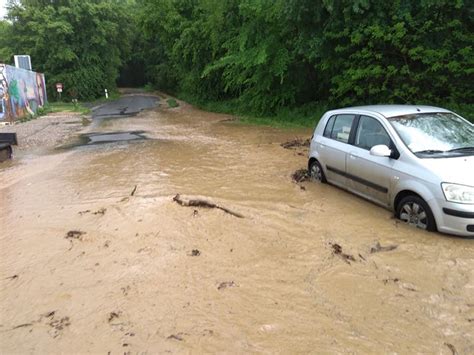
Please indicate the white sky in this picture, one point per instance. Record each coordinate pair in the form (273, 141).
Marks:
(2, 8)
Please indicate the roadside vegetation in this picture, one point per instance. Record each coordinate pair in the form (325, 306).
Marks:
(273, 62)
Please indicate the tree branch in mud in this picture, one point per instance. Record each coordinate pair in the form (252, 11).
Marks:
(205, 204)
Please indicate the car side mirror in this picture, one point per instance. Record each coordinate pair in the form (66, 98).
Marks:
(380, 150)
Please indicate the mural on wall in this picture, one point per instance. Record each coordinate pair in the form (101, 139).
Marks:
(22, 92)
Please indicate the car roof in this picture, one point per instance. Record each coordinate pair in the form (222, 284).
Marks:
(392, 110)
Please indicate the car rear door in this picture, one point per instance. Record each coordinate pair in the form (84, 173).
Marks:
(333, 147)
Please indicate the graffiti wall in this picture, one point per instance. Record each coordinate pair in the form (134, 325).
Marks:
(22, 92)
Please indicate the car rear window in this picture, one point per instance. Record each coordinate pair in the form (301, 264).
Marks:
(342, 128)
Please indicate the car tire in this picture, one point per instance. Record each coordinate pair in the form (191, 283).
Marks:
(316, 172)
(414, 211)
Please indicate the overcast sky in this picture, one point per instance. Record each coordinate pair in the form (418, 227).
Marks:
(2, 8)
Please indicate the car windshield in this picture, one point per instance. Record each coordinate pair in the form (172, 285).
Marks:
(440, 133)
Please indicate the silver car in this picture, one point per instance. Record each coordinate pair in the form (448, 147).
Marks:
(415, 160)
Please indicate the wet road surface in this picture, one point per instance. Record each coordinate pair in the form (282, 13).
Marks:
(97, 257)
(128, 105)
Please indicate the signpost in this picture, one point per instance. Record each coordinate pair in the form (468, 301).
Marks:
(59, 89)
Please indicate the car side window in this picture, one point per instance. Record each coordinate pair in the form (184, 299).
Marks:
(342, 128)
(329, 125)
(370, 132)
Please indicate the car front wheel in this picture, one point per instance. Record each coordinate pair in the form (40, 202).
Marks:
(414, 211)
(316, 172)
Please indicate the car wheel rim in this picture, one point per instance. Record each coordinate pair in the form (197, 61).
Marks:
(316, 173)
(414, 215)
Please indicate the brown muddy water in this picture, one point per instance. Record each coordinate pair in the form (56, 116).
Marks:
(97, 257)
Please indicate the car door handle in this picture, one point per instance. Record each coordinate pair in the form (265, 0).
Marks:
(353, 156)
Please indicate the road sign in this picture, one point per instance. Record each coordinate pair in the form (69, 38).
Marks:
(59, 87)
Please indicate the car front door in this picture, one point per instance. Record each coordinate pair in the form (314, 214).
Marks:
(369, 175)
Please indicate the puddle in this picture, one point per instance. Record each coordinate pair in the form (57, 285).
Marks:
(105, 138)
(98, 138)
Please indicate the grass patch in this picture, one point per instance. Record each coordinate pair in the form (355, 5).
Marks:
(148, 87)
(172, 103)
(69, 107)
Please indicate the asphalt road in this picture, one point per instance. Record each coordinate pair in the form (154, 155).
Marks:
(126, 106)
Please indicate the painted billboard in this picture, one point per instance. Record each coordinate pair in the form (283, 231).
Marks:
(22, 92)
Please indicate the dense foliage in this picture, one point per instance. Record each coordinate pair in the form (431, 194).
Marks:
(81, 43)
(267, 54)
(260, 55)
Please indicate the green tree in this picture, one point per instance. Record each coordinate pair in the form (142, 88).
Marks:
(81, 43)
(269, 54)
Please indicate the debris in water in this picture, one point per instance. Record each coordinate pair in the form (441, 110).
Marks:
(394, 280)
(337, 250)
(298, 142)
(178, 336)
(300, 175)
(195, 252)
(49, 314)
(125, 290)
(378, 248)
(71, 235)
(134, 190)
(101, 211)
(58, 326)
(113, 315)
(204, 203)
(226, 284)
(74, 235)
(452, 348)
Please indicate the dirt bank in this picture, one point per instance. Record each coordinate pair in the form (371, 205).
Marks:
(97, 256)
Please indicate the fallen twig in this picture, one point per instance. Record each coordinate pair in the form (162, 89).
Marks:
(452, 348)
(22, 325)
(226, 284)
(205, 204)
(337, 250)
(134, 190)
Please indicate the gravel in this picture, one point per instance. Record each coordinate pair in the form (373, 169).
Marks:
(47, 131)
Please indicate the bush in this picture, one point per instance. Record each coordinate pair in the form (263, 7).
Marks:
(172, 103)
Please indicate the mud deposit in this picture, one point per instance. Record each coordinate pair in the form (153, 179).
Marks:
(96, 256)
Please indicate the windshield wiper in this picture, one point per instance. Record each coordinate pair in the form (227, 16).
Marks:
(429, 151)
(462, 149)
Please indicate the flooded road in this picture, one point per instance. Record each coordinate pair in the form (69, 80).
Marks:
(97, 257)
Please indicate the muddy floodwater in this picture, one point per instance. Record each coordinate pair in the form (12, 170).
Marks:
(96, 256)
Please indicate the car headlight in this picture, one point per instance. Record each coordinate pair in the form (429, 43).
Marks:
(458, 193)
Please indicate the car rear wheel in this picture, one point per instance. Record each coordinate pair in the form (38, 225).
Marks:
(414, 211)
(316, 172)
